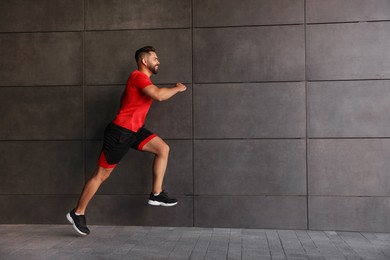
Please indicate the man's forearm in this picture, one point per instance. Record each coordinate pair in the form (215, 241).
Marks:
(161, 94)
(166, 93)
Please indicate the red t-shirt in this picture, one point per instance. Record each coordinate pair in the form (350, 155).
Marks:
(135, 104)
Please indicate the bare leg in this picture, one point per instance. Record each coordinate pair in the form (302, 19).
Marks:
(161, 150)
(91, 187)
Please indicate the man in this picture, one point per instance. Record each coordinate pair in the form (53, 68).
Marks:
(127, 130)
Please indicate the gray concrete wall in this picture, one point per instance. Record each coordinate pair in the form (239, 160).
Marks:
(285, 124)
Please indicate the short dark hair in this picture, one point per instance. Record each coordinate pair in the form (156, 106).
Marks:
(142, 51)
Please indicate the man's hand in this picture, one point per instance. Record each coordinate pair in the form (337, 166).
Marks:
(180, 87)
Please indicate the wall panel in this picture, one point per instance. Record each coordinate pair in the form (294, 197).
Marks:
(349, 167)
(210, 13)
(319, 11)
(31, 113)
(48, 167)
(252, 110)
(250, 212)
(41, 15)
(30, 59)
(248, 54)
(349, 109)
(136, 14)
(349, 213)
(348, 51)
(250, 167)
(35, 209)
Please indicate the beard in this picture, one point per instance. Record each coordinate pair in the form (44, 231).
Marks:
(153, 69)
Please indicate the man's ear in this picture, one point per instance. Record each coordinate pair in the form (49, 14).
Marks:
(144, 61)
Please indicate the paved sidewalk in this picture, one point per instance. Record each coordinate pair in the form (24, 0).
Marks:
(124, 242)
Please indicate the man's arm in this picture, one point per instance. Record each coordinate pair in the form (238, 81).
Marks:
(161, 94)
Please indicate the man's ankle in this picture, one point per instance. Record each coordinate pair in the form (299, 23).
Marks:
(79, 212)
(156, 193)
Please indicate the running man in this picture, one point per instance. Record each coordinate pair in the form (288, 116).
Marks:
(127, 130)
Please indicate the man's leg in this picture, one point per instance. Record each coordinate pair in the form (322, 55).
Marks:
(91, 187)
(161, 150)
(77, 215)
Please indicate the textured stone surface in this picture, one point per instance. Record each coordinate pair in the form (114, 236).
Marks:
(255, 110)
(31, 59)
(248, 54)
(209, 13)
(348, 51)
(319, 11)
(135, 14)
(41, 15)
(264, 167)
(349, 109)
(349, 213)
(41, 113)
(138, 242)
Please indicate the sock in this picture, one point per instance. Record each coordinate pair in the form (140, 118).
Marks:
(77, 214)
(156, 194)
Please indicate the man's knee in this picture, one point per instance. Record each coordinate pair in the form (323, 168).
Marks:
(164, 149)
(103, 173)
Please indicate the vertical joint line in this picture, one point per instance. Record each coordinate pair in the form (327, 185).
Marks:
(192, 111)
(306, 115)
(83, 93)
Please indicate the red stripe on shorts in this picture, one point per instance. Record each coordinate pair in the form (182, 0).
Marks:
(144, 142)
(103, 162)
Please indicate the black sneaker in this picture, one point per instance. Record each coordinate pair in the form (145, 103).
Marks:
(161, 200)
(79, 223)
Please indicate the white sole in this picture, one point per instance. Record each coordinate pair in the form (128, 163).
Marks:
(74, 225)
(157, 203)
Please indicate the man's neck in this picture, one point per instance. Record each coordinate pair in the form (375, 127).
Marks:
(145, 71)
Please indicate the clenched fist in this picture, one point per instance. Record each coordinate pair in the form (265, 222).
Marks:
(180, 87)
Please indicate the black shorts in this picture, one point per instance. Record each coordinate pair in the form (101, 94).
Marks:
(117, 142)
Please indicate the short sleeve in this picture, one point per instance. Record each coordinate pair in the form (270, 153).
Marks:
(141, 81)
